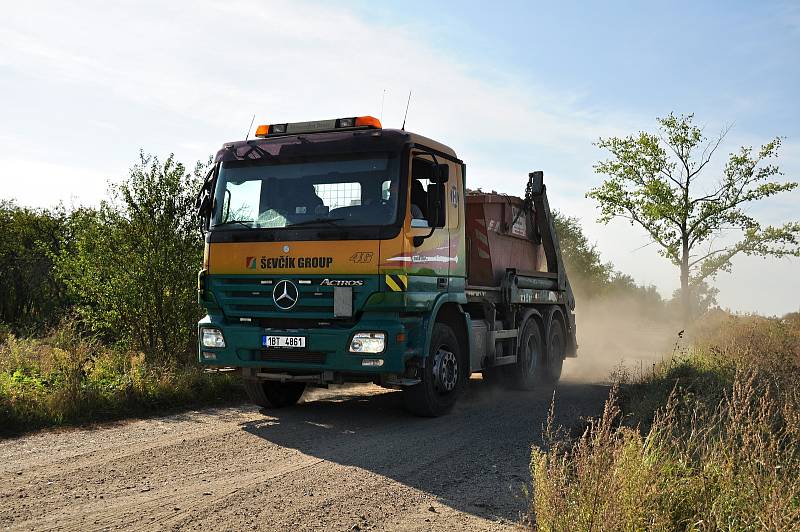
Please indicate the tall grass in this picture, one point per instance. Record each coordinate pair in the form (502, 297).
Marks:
(66, 378)
(708, 442)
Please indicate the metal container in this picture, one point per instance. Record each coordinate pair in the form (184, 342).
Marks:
(501, 235)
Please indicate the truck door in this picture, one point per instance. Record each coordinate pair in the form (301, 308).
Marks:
(454, 199)
(432, 256)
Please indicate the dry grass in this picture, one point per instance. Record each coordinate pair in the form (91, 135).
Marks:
(708, 442)
(67, 379)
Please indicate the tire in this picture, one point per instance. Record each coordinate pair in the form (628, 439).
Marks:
(443, 377)
(526, 372)
(271, 394)
(556, 348)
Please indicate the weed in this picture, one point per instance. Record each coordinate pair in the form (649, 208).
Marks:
(66, 378)
(709, 441)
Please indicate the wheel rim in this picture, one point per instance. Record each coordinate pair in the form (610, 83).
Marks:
(445, 370)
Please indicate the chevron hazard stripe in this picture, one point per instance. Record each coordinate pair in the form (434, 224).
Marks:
(397, 282)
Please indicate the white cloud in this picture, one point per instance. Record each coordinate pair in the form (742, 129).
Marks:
(39, 184)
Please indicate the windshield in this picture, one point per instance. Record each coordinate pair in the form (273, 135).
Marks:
(332, 192)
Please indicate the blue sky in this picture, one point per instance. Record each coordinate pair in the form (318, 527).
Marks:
(511, 86)
(714, 58)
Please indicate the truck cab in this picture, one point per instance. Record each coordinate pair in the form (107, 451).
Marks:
(336, 251)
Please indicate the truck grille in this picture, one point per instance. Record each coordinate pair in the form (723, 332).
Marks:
(251, 296)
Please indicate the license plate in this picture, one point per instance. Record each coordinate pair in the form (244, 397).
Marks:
(292, 342)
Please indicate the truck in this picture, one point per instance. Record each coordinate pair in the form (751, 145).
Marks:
(338, 251)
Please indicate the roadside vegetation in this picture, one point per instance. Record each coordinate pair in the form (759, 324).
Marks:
(98, 305)
(67, 378)
(709, 440)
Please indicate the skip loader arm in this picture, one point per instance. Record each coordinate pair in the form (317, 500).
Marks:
(536, 196)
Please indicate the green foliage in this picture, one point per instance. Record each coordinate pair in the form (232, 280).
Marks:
(710, 441)
(653, 181)
(66, 378)
(589, 276)
(125, 270)
(30, 296)
(129, 266)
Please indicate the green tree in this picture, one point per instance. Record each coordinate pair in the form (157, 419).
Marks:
(30, 296)
(131, 267)
(587, 272)
(656, 181)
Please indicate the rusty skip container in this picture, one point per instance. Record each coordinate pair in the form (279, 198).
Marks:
(502, 235)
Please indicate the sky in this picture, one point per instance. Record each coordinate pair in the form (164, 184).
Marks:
(511, 86)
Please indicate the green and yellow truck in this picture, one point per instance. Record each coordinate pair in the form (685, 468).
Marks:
(338, 251)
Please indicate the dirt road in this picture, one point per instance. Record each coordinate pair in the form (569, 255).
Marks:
(346, 459)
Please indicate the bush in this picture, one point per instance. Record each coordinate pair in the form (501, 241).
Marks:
(31, 298)
(130, 264)
(126, 271)
(66, 379)
(710, 441)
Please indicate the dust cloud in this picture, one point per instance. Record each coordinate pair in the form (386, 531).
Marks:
(619, 333)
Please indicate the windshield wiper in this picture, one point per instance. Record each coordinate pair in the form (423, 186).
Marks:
(230, 222)
(330, 221)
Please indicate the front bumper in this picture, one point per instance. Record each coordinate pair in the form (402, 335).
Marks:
(326, 347)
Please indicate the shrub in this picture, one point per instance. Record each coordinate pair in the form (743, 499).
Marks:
(130, 264)
(66, 378)
(30, 296)
(709, 441)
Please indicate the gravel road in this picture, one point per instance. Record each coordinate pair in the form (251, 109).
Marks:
(344, 459)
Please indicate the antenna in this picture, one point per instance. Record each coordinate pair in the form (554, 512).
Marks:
(406, 115)
(383, 98)
(247, 137)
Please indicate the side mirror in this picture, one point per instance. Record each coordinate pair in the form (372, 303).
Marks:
(436, 210)
(204, 202)
(205, 211)
(204, 207)
(441, 173)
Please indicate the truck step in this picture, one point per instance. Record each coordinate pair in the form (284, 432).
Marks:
(505, 333)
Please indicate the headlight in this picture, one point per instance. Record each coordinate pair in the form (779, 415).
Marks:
(212, 338)
(368, 342)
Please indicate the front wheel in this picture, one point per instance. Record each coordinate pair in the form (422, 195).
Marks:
(443, 377)
(271, 394)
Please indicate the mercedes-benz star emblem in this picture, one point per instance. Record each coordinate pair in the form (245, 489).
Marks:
(285, 294)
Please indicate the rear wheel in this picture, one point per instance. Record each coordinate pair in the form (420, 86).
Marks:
(442, 379)
(526, 372)
(556, 347)
(271, 394)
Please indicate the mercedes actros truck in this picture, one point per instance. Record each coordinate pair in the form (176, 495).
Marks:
(338, 251)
